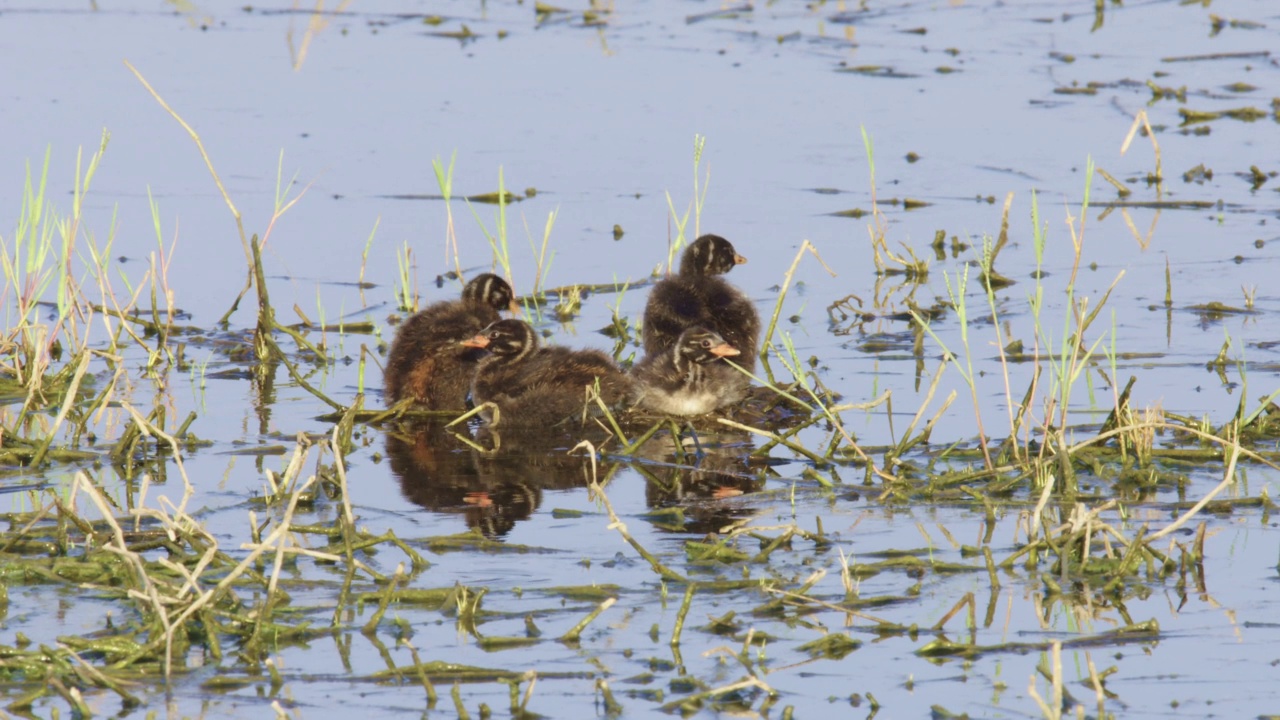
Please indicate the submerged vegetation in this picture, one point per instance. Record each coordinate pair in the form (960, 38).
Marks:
(1077, 512)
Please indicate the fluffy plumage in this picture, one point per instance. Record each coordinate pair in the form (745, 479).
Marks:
(427, 361)
(687, 380)
(537, 386)
(699, 297)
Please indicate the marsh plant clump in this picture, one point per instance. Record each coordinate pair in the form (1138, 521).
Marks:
(105, 513)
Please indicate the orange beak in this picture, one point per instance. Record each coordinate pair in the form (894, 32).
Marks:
(479, 499)
(739, 260)
(479, 341)
(514, 307)
(725, 350)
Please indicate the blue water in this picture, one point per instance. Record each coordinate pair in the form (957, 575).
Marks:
(602, 121)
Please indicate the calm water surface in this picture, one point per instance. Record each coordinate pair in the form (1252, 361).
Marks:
(964, 103)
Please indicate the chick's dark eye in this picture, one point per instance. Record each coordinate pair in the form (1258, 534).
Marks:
(706, 343)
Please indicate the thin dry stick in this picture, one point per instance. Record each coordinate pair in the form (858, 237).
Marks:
(116, 686)
(67, 403)
(422, 674)
(124, 313)
(347, 514)
(531, 677)
(966, 601)
(1141, 120)
(924, 404)
(1053, 710)
(786, 283)
(683, 613)
(1096, 681)
(1049, 483)
(192, 575)
(750, 681)
(1227, 480)
(244, 241)
(830, 606)
(476, 411)
(1004, 369)
(576, 631)
(777, 439)
(615, 523)
(316, 25)
(35, 520)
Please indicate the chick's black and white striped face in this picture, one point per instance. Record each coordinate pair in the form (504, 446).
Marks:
(700, 345)
(710, 255)
(509, 338)
(491, 290)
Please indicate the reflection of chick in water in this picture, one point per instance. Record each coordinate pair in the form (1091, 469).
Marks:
(702, 478)
(437, 470)
(493, 489)
(538, 459)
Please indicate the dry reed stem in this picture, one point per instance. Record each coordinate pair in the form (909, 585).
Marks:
(22, 532)
(1049, 483)
(962, 603)
(116, 685)
(531, 677)
(575, 632)
(777, 439)
(347, 515)
(203, 154)
(232, 575)
(615, 523)
(315, 25)
(1140, 119)
(130, 307)
(476, 411)
(1229, 477)
(1096, 682)
(1052, 711)
(906, 442)
(683, 613)
(786, 284)
(427, 685)
(748, 682)
(67, 402)
(830, 606)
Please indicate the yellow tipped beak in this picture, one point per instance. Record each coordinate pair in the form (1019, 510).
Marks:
(739, 260)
